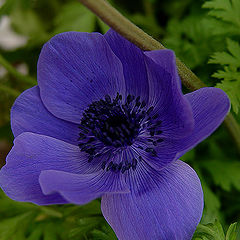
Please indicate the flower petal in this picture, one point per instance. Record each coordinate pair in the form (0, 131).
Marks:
(169, 103)
(166, 59)
(132, 59)
(171, 209)
(158, 161)
(28, 114)
(210, 106)
(75, 69)
(81, 188)
(31, 154)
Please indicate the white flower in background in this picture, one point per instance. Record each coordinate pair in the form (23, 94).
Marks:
(9, 40)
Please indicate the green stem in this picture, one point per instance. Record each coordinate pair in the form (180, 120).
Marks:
(128, 30)
(51, 212)
(15, 73)
(233, 129)
(9, 90)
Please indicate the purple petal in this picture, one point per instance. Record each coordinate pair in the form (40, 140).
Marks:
(132, 59)
(166, 96)
(81, 188)
(31, 154)
(170, 207)
(28, 114)
(75, 69)
(210, 106)
(166, 59)
(159, 161)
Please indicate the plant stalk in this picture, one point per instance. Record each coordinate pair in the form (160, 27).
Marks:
(12, 92)
(15, 73)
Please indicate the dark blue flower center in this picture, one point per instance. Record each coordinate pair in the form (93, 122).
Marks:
(111, 124)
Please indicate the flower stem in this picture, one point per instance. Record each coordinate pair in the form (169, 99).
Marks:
(233, 129)
(128, 30)
(50, 211)
(15, 73)
(9, 90)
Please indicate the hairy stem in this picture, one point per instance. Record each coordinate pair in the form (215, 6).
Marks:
(15, 73)
(127, 29)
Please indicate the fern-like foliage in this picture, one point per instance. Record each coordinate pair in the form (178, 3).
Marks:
(228, 11)
(230, 75)
(214, 231)
(224, 17)
(26, 221)
(225, 21)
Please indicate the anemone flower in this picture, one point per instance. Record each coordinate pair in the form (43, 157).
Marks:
(109, 120)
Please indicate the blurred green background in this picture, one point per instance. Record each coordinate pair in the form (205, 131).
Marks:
(205, 35)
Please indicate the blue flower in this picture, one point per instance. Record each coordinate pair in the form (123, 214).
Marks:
(109, 120)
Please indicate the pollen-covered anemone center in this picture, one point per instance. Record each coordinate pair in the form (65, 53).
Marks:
(113, 123)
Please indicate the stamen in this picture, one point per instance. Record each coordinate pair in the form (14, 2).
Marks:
(134, 164)
(108, 99)
(130, 98)
(123, 169)
(103, 165)
(109, 166)
(143, 104)
(151, 150)
(120, 166)
(109, 125)
(149, 110)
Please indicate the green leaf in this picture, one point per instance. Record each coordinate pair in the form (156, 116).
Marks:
(147, 23)
(189, 156)
(229, 169)
(104, 27)
(84, 226)
(26, 221)
(224, 58)
(192, 39)
(91, 209)
(220, 28)
(34, 29)
(75, 17)
(50, 232)
(106, 233)
(226, 10)
(36, 234)
(99, 235)
(7, 7)
(10, 226)
(231, 89)
(232, 232)
(230, 75)
(211, 204)
(211, 231)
